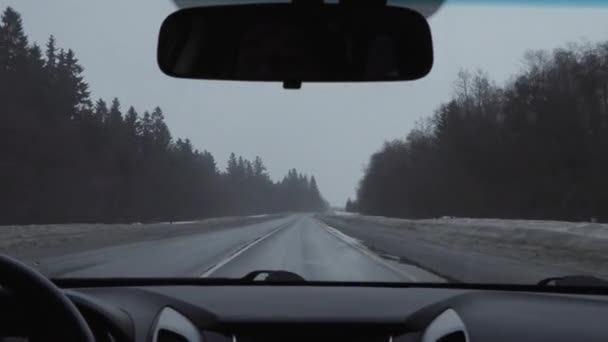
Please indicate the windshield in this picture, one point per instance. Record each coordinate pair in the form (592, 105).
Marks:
(492, 169)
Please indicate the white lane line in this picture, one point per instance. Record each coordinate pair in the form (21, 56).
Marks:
(356, 244)
(242, 250)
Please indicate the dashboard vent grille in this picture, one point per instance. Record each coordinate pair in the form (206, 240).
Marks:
(457, 336)
(165, 335)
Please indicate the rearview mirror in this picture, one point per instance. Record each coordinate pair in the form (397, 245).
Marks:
(294, 43)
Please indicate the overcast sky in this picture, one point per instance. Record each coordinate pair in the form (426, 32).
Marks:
(326, 130)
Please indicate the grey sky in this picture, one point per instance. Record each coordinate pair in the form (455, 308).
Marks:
(326, 130)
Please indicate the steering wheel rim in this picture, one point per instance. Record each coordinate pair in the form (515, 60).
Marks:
(26, 282)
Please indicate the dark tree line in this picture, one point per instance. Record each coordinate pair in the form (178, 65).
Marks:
(534, 148)
(65, 158)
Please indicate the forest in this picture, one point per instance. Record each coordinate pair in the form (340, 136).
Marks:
(535, 147)
(65, 157)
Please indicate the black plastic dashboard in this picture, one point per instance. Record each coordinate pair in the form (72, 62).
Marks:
(338, 313)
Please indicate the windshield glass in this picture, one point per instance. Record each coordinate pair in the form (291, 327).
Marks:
(492, 169)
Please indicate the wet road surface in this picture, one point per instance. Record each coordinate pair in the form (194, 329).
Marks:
(298, 243)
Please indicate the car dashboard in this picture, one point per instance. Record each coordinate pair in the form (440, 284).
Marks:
(239, 313)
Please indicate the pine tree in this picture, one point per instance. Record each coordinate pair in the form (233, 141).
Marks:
(13, 41)
(232, 167)
(51, 53)
(349, 206)
(240, 167)
(131, 122)
(145, 126)
(315, 194)
(35, 59)
(160, 131)
(81, 99)
(115, 116)
(259, 170)
(101, 111)
(248, 170)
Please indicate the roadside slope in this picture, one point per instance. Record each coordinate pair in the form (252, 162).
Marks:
(480, 250)
(40, 241)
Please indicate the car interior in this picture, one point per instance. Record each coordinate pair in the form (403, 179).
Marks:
(283, 306)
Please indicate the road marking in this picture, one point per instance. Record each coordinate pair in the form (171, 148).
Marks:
(352, 242)
(235, 254)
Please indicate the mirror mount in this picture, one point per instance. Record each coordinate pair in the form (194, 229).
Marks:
(297, 84)
(292, 84)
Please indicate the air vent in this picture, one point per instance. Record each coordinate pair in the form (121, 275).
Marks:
(172, 326)
(169, 336)
(458, 336)
(447, 327)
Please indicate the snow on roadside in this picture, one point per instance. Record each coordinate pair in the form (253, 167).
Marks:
(576, 245)
(588, 229)
(344, 237)
(343, 213)
(261, 215)
(41, 240)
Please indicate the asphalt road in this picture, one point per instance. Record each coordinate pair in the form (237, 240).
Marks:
(298, 243)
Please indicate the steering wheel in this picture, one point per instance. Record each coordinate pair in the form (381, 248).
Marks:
(63, 322)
